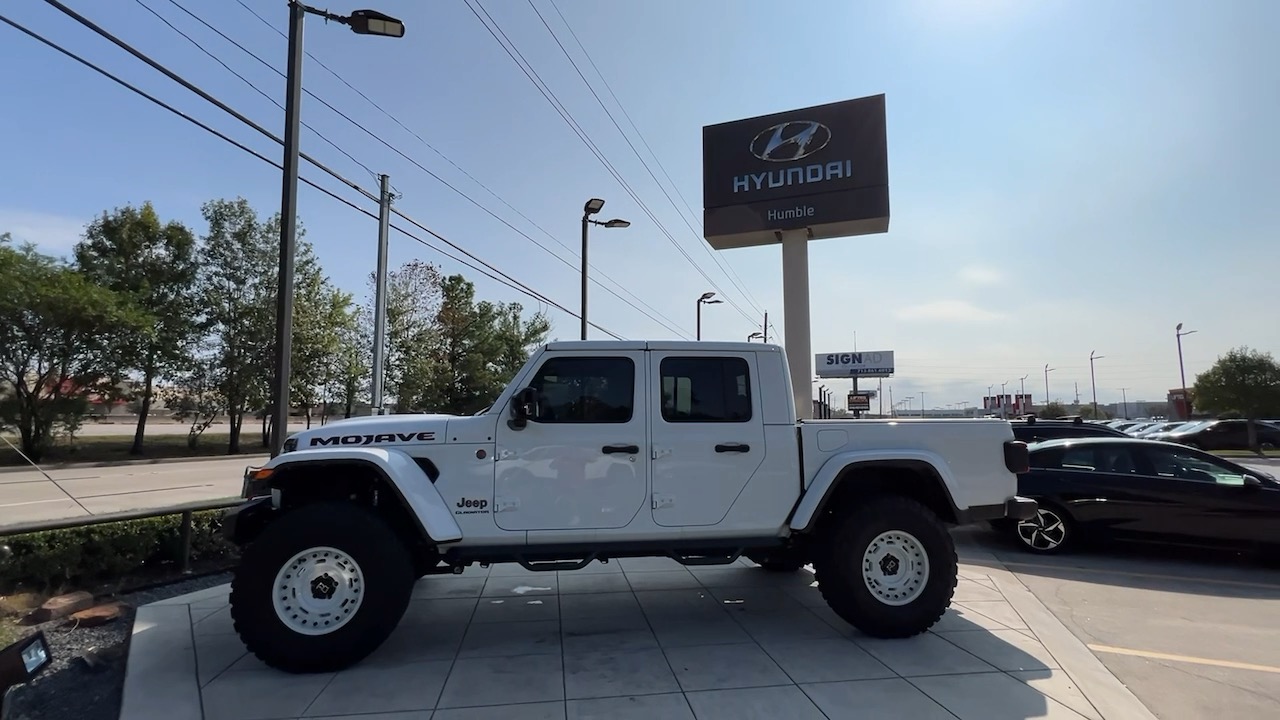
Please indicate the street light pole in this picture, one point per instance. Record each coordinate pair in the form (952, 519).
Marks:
(1004, 411)
(1047, 370)
(362, 22)
(1124, 397)
(288, 228)
(1093, 381)
(1182, 371)
(922, 404)
(1023, 394)
(593, 206)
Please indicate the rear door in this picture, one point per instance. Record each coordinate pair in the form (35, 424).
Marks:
(707, 434)
(1208, 499)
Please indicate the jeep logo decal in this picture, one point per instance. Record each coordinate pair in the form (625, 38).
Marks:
(471, 506)
(373, 439)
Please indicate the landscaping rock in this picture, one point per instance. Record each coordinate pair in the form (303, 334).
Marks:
(19, 604)
(60, 606)
(98, 615)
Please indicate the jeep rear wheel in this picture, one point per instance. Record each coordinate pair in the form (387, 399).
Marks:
(888, 568)
(321, 588)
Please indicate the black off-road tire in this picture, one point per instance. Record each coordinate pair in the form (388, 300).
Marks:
(386, 571)
(779, 561)
(840, 577)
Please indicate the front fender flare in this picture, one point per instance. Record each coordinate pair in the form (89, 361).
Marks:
(824, 482)
(411, 485)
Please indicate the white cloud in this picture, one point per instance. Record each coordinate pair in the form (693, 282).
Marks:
(51, 233)
(980, 275)
(946, 311)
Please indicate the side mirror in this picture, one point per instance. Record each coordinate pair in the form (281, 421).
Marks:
(524, 406)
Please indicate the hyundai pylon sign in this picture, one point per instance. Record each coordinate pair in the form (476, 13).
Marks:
(824, 168)
(854, 364)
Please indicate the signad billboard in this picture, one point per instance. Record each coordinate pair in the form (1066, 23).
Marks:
(824, 168)
(1010, 403)
(878, 363)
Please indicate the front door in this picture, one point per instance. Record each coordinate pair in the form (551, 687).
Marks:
(583, 461)
(708, 435)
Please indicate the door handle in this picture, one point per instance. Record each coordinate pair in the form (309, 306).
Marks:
(733, 447)
(624, 449)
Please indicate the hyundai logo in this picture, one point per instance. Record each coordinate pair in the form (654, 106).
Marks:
(791, 140)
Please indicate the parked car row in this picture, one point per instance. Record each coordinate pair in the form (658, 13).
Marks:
(1203, 434)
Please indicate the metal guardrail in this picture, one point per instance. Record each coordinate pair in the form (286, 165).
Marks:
(186, 510)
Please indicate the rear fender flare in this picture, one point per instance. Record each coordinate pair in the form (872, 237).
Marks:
(820, 490)
(413, 488)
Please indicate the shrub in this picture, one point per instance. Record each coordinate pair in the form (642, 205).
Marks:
(54, 559)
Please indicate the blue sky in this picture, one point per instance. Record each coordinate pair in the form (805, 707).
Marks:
(1064, 176)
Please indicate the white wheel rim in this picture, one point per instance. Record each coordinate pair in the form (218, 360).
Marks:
(1046, 532)
(895, 567)
(318, 591)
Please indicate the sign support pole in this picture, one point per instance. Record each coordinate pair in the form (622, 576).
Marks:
(795, 313)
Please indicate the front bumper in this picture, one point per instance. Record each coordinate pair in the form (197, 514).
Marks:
(241, 524)
(1014, 508)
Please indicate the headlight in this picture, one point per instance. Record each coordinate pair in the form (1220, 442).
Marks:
(290, 445)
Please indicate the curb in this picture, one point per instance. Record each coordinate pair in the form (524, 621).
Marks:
(1110, 697)
(130, 463)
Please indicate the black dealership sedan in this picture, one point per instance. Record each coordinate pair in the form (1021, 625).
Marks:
(1132, 489)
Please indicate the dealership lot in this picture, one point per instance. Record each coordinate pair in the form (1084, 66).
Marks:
(1192, 633)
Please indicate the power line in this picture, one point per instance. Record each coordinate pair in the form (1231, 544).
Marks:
(246, 81)
(714, 256)
(649, 311)
(478, 265)
(518, 58)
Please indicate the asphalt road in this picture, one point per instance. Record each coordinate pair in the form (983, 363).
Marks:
(27, 495)
(1194, 634)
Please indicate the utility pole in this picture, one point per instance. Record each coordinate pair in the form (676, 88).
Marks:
(1125, 398)
(380, 297)
(765, 329)
(1077, 393)
(880, 396)
(922, 404)
(893, 409)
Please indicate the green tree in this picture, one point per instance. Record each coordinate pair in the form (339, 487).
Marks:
(320, 310)
(1053, 410)
(413, 302)
(236, 290)
(349, 372)
(1086, 412)
(57, 331)
(152, 265)
(1243, 381)
(477, 347)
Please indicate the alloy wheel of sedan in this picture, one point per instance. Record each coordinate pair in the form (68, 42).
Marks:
(1047, 532)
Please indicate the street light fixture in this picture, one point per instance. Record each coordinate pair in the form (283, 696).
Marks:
(1022, 410)
(1004, 411)
(1182, 372)
(362, 22)
(1093, 382)
(593, 206)
(705, 299)
(754, 335)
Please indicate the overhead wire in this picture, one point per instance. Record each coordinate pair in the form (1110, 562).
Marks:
(648, 311)
(714, 256)
(474, 263)
(246, 81)
(526, 67)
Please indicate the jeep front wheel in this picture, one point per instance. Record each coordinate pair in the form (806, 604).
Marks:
(888, 568)
(321, 588)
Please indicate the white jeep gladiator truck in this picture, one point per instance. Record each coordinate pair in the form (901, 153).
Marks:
(601, 450)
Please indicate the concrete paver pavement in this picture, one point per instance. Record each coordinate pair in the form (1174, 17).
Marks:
(638, 638)
(1193, 633)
